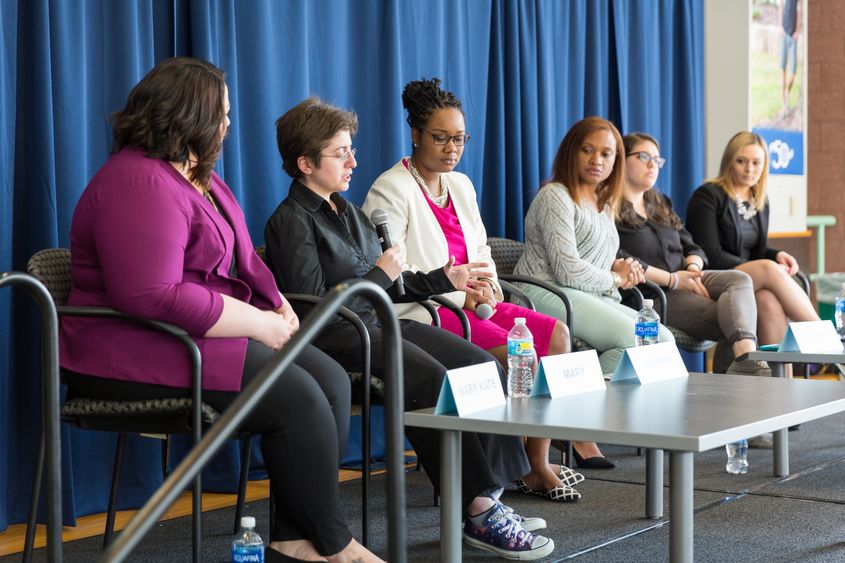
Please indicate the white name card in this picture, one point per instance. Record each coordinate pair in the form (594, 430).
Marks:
(811, 337)
(647, 364)
(568, 374)
(470, 389)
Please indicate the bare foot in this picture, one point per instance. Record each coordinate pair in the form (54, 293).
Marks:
(355, 553)
(542, 479)
(298, 549)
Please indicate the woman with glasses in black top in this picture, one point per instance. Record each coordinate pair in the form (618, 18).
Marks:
(316, 239)
(707, 304)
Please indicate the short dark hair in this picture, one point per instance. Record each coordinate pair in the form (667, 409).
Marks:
(305, 128)
(175, 110)
(421, 97)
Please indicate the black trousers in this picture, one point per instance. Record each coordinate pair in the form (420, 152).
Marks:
(304, 424)
(427, 352)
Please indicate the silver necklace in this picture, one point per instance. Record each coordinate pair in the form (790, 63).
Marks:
(441, 200)
(746, 209)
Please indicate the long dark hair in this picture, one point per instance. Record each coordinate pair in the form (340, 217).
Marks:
(175, 110)
(656, 205)
(565, 165)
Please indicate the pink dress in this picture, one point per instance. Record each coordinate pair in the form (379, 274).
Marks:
(492, 332)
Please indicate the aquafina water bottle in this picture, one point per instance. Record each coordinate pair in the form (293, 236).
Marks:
(737, 457)
(248, 547)
(647, 325)
(520, 359)
(839, 315)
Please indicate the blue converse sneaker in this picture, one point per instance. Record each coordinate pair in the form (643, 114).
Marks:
(500, 532)
(529, 523)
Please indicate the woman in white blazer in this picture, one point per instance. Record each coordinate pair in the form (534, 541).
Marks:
(433, 213)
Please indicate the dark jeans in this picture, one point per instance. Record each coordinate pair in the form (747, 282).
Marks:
(304, 424)
(427, 352)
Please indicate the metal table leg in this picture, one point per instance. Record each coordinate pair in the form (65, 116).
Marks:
(780, 452)
(780, 447)
(653, 483)
(681, 507)
(450, 496)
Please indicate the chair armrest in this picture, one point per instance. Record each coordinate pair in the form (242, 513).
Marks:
(520, 295)
(175, 331)
(432, 311)
(459, 312)
(567, 304)
(661, 296)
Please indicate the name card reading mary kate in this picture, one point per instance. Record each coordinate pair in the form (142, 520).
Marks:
(568, 374)
(816, 337)
(647, 364)
(470, 389)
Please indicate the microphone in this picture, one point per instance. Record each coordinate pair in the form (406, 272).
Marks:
(483, 311)
(379, 219)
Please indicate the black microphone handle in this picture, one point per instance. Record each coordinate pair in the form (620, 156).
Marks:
(383, 232)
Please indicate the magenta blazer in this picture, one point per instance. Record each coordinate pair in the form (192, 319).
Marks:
(146, 243)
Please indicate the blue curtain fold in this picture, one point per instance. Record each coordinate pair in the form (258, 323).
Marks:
(525, 71)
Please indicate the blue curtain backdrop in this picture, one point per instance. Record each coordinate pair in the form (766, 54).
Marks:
(525, 70)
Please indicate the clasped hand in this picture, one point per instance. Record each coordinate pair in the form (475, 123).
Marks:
(690, 280)
(630, 271)
(279, 326)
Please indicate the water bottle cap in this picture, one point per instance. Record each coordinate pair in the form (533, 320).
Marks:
(248, 522)
(519, 321)
(648, 302)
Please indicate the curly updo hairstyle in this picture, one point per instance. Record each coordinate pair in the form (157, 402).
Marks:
(175, 110)
(422, 97)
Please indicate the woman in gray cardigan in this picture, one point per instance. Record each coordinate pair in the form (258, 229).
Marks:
(571, 242)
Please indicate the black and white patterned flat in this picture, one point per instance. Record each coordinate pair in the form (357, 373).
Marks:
(561, 493)
(569, 476)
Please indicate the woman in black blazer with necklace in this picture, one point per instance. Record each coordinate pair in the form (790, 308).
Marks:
(728, 217)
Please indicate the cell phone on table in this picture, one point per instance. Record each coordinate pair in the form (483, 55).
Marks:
(769, 347)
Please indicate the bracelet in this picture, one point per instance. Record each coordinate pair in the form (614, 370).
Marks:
(674, 281)
(617, 280)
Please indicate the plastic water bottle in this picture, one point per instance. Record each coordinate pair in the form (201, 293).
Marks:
(248, 547)
(647, 325)
(737, 458)
(840, 312)
(520, 359)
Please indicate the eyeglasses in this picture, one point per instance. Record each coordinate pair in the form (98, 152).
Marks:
(343, 156)
(443, 139)
(645, 158)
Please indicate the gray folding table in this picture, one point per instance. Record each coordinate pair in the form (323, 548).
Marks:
(681, 416)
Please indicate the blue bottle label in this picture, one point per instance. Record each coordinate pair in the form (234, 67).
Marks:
(248, 555)
(520, 347)
(646, 330)
(840, 305)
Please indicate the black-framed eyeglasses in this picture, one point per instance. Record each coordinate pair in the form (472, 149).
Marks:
(645, 158)
(443, 139)
(343, 156)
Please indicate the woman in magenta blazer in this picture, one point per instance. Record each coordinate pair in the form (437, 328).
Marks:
(157, 234)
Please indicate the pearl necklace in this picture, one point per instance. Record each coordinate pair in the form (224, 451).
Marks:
(441, 200)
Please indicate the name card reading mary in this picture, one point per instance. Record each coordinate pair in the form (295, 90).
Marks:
(816, 337)
(568, 374)
(647, 364)
(470, 389)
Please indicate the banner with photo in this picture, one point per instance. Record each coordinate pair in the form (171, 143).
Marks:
(778, 105)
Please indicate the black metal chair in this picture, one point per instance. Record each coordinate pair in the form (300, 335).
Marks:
(151, 418)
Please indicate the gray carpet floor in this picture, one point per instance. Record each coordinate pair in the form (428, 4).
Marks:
(753, 517)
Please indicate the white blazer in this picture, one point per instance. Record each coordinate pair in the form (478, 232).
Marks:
(415, 229)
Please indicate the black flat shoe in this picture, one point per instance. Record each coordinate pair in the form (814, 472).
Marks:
(597, 462)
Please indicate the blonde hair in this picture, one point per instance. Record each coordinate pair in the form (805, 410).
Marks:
(736, 144)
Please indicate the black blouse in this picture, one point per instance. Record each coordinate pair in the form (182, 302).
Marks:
(310, 249)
